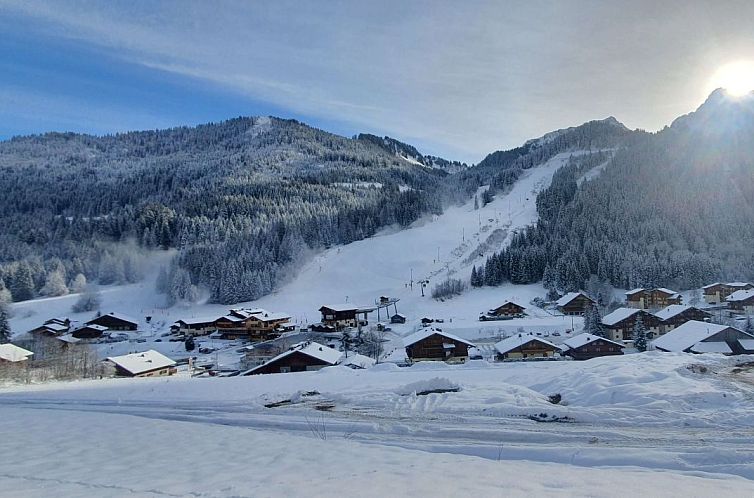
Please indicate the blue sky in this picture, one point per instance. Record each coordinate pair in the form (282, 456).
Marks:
(457, 79)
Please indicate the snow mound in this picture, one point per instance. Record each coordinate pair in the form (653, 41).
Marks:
(435, 384)
(385, 367)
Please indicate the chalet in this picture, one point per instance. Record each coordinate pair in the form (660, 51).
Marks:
(508, 309)
(717, 293)
(588, 346)
(432, 344)
(257, 324)
(678, 314)
(524, 347)
(11, 354)
(644, 299)
(89, 332)
(742, 300)
(302, 357)
(704, 337)
(147, 364)
(574, 303)
(319, 327)
(343, 315)
(50, 329)
(261, 353)
(115, 321)
(398, 318)
(620, 323)
(195, 326)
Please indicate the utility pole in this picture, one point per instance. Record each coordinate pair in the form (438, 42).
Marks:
(411, 281)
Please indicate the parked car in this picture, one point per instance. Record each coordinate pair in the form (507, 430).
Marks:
(556, 334)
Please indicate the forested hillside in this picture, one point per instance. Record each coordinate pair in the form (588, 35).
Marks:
(239, 199)
(674, 208)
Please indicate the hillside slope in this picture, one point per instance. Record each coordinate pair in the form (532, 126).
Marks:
(671, 209)
(240, 199)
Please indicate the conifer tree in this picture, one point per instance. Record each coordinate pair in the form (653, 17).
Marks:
(640, 335)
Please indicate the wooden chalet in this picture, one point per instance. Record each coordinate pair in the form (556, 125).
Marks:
(343, 315)
(574, 303)
(742, 301)
(678, 314)
(588, 346)
(646, 299)
(255, 324)
(147, 364)
(115, 321)
(195, 326)
(303, 357)
(434, 345)
(718, 292)
(508, 309)
(524, 347)
(51, 328)
(621, 322)
(705, 337)
(89, 332)
(398, 318)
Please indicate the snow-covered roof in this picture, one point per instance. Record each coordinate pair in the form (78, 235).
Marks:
(747, 344)
(121, 316)
(739, 284)
(68, 338)
(511, 343)
(136, 363)
(508, 302)
(665, 290)
(741, 295)
(312, 349)
(356, 360)
(423, 334)
(197, 320)
(634, 291)
(712, 285)
(672, 310)
(711, 347)
(570, 297)
(341, 307)
(583, 339)
(56, 327)
(11, 352)
(271, 317)
(619, 315)
(93, 326)
(689, 334)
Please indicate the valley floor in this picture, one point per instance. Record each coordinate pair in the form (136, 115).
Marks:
(652, 424)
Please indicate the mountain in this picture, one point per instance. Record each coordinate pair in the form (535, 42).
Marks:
(409, 153)
(672, 208)
(240, 200)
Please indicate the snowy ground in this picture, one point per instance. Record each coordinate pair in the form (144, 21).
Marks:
(634, 425)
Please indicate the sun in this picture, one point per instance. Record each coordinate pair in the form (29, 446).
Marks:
(737, 78)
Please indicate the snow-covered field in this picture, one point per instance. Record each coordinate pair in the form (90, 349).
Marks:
(645, 424)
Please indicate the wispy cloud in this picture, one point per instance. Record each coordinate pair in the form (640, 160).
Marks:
(463, 77)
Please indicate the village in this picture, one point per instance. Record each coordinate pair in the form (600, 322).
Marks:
(245, 342)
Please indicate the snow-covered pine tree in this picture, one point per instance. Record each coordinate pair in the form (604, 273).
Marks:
(593, 321)
(5, 332)
(640, 335)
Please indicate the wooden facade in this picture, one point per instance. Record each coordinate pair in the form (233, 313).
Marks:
(508, 309)
(294, 362)
(624, 329)
(340, 317)
(595, 349)
(114, 322)
(89, 332)
(529, 350)
(438, 347)
(157, 372)
(645, 299)
(575, 304)
(743, 305)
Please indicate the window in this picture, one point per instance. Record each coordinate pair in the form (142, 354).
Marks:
(284, 370)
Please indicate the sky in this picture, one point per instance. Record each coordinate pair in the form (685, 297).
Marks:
(455, 79)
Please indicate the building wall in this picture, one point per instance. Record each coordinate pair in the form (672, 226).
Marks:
(431, 348)
(595, 349)
(296, 362)
(113, 323)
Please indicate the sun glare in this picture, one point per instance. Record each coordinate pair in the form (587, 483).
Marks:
(737, 78)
